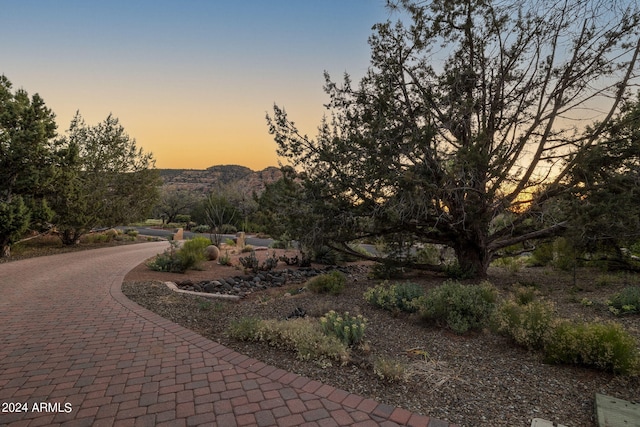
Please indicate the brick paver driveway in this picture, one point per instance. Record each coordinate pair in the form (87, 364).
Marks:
(74, 351)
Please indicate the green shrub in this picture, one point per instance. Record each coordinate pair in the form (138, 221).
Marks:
(224, 259)
(626, 302)
(395, 297)
(168, 261)
(228, 229)
(528, 324)
(456, 271)
(202, 228)
(389, 369)
(525, 294)
(193, 253)
(348, 329)
(387, 270)
(458, 306)
(542, 255)
(605, 346)
(331, 283)
(244, 329)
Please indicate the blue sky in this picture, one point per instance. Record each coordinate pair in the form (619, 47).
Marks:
(191, 81)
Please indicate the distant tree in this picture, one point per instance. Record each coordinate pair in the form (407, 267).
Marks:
(109, 181)
(27, 163)
(467, 126)
(174, 202)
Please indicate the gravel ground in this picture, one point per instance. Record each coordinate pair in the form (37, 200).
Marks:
(478, 379)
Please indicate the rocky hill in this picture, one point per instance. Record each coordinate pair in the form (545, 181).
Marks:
(203, 181)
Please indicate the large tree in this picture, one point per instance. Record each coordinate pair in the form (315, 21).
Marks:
(27, 162)
(107, 180)
(468, 125)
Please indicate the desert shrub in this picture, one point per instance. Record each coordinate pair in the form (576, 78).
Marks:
(605, 346)
(429, 254)
(224, 259)
(228, 229)
(455, 271)
(510, 264)
(244, 329)
(347, 328)
(168, 261)
(247, 248)
(202, 228)
(278, 244)
(542, 255)
(460, 307)
(528, 324)
(303, 336)
(193, 252)
(387, 270)
(626, 302)
(330, 283)
(525, 294)
(250, 262)
(388, 369)
(327, 256)
(395, 297)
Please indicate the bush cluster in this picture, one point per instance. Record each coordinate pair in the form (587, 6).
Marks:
(347, 328)
(395, 297)
(528, 323)
(626, 302)
(302, 335)
(460, 307)
(606, 346)
(179, 260)
(330, 283)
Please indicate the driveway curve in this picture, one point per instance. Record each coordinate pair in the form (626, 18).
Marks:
(74, 351)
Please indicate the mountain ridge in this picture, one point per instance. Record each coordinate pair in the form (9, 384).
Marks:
(205, 180)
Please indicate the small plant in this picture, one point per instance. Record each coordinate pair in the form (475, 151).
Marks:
(458, 306)
(250, 262)
(244, 329)
(330, 283)
(626, 302)
(528, 324)
(225, 259)
(270, 263)
(395, 297)
(131, 232)
(389, 369)
(348, 329)
(605, 346)
(247, 248)
(229, 242)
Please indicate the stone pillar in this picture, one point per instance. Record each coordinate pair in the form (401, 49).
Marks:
(240, 240)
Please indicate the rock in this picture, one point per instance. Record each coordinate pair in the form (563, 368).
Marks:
(210, 288)
(212, 252)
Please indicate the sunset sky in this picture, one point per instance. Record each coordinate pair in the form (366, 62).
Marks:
(190, 81)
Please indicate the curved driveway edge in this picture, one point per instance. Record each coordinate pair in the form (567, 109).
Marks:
(74, 351)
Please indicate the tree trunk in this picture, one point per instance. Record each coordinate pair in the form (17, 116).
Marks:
(473, 258)
(6, 250)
